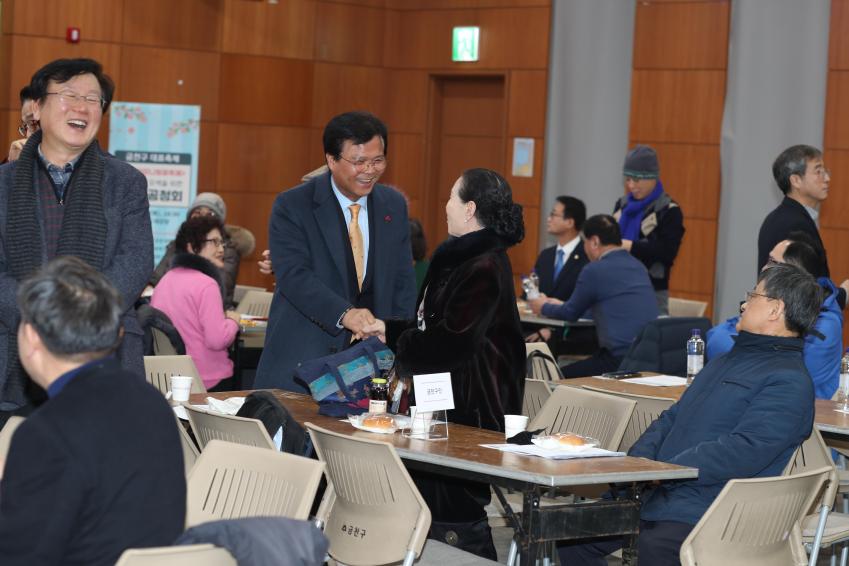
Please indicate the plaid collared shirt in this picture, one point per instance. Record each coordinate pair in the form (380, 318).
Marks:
(59, 175)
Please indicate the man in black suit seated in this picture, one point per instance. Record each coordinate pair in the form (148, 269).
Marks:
(558, 267)
(98, 468)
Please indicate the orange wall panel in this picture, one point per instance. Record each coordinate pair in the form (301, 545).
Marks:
(523, 256)
(171, 76)
(838, 39)
(189, 24)
(527, 100)
(694, 267)
(406, 100)
(208, 158)
(338, 41)
(677, 106)
(837, 111)
(98, 20)
(681, 36)
(406, 164)
(455, 4)
(278, 30)
(340, 88)
(835, 210)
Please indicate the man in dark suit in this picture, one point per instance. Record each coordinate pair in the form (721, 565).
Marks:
(340, 246)
(558, 266)
(64, 196)
(98, 468)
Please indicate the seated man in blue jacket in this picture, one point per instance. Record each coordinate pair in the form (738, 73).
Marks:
(616, 287)
(743, 416)
(824, 342)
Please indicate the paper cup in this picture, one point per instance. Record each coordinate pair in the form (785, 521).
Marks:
(181, 387)
(420, 422)
(514, 424)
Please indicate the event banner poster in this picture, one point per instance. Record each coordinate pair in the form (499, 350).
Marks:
(161, 141)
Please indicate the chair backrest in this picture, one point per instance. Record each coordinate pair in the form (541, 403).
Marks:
(373, 514)
(537, 393)
(647, 410)
(662, 345)
(187, 555)
(231, 481)
(6, 434)
(159, 369)
(190, 449)
(162, 345)
(540, 363)
(239, 292)
(255, 303)
(209, 425)
(814, 454)
(686, 307)
(755, 522)
(588, 413)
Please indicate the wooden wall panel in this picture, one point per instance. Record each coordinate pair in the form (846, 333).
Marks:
(836, 110)
(523, 256)
(514, 39)
(681, 36)
(171, 76)
(691, 175)
(263, 158)
(470, 104)
(694, 268)
(7, 101)
(677, 106)
(835, 210)
(838, 40)
(276, 30)
(457, 4)
(406, 164)
(406, 100)
(340, 88)
(337, 40)
(526, 100)
(29, 53)
(98, 20)
(265, 90)
(208, 158)
(251, 211)
(189, 24)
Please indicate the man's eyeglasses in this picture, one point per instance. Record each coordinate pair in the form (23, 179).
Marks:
(822, 172)
(67, 98)
(28, 128)
(378, 163)
(752, 294)
(215, 241)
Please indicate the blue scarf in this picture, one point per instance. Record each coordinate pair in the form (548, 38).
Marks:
(632, 213)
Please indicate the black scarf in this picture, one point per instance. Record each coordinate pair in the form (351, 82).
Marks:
(83, 234)
(199, 263)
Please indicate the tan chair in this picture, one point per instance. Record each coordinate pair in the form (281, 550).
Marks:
(239, 292)
(821, 527)
(159, 369)
(209, 425)
(543, 367)
(645, 413)
(686, 307)
(537, 393)
(188, 555)
(755, 522)
(162, 345)
(231, 481)
(255, 303)
(190, 449)
(6, 434)
(588, 413)
(372, 512)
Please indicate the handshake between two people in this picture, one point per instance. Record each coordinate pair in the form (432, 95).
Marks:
(363, 324)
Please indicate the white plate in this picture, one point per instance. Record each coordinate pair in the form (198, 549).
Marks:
(356, 419)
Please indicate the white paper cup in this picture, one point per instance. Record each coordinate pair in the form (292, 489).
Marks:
(181, 387)
(514, 424)
(420, 422)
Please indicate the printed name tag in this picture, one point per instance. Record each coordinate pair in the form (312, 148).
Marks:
(433, 392)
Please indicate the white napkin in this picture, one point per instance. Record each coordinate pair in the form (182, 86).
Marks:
(229, 406)
(532, 450)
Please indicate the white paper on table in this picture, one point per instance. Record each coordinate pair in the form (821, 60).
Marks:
(181, 413)
(533, 450)
(229, 406)
(658, 380)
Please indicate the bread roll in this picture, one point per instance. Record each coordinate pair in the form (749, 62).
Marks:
(382, 422)
(568, 439)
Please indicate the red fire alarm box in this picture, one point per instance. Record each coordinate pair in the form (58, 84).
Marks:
(72, 35)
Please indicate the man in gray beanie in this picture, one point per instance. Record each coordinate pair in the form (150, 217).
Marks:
(239, 242)
(652, 224)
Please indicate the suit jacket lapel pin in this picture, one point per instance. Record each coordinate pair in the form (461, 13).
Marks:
(575, 256)
(387, 218)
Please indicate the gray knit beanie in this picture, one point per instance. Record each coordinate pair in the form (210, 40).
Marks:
(641, 163)
(211, 201)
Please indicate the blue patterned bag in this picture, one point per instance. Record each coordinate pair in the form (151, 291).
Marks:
(341, 382)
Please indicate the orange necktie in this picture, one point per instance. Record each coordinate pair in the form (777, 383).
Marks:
(356, 237)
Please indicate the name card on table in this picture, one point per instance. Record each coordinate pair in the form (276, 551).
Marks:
(433, 392)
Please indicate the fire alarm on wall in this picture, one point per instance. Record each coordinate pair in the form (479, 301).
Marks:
(72, 35)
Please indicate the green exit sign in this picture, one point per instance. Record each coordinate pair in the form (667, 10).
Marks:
(464, 44)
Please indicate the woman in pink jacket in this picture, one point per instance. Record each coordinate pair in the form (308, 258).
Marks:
(191, 294)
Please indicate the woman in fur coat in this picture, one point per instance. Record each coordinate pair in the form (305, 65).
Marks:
(468, 324)
(192, 295)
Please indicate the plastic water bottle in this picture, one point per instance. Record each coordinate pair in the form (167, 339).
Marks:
(843, 390)
(695, 354)
(530, 285)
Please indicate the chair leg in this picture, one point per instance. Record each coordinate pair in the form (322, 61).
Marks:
(844, 553)
(410, 558)
(815, 546)
(513, 554)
